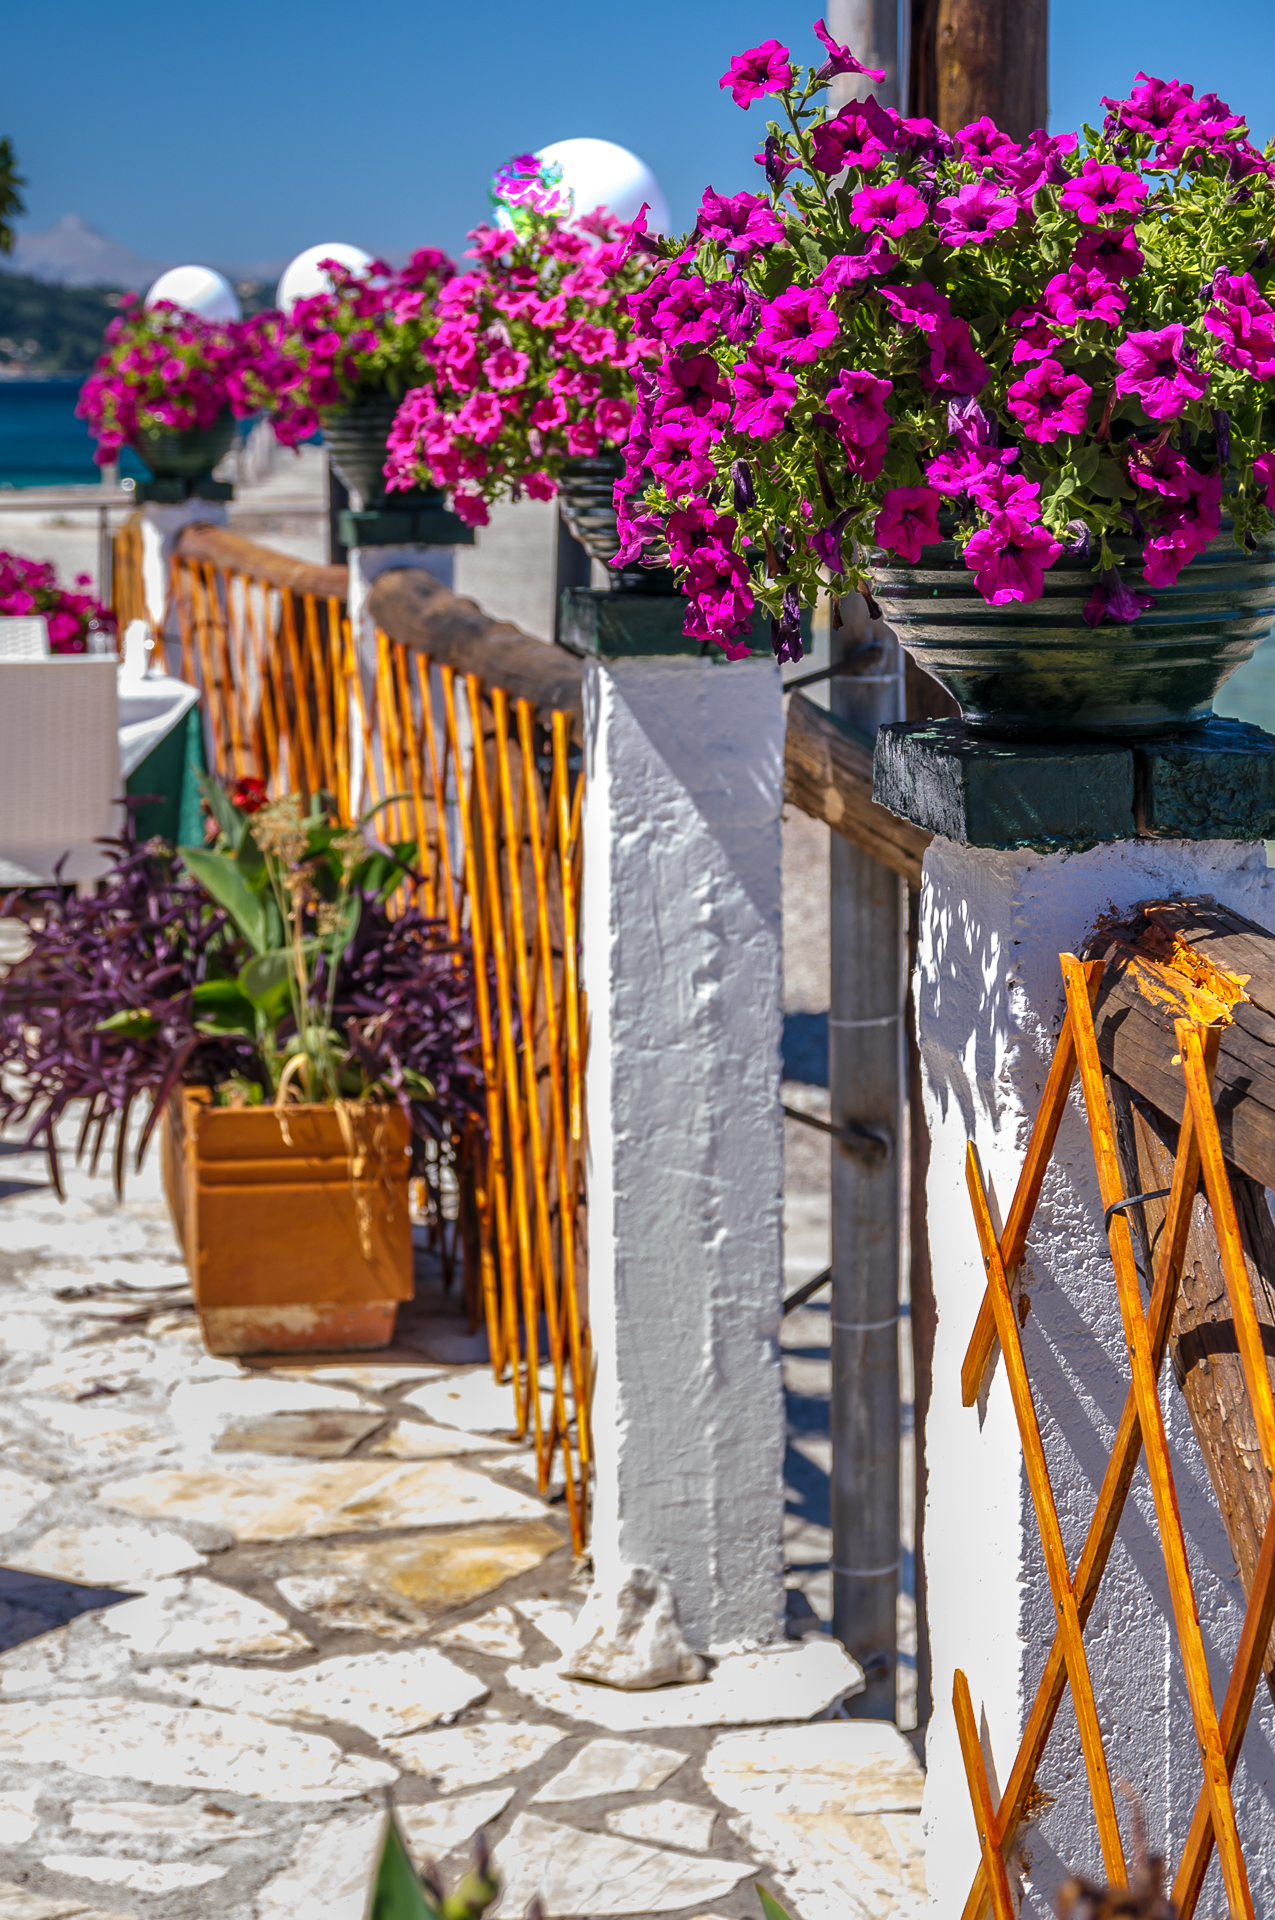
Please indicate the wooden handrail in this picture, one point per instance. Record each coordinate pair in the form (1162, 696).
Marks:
(828, 774)
(234, 554)
(412, 608)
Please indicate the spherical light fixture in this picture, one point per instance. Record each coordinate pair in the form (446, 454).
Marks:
(597, 173)
(302, 278)
(199, 290)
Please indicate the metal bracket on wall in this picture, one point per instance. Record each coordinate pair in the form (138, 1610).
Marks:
(869, 1143)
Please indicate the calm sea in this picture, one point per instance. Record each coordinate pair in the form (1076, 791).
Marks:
(42, 444)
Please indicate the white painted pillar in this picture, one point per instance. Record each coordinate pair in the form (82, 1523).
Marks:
(366, 564)
(989, 1006)
(160, 527)
(682, 963)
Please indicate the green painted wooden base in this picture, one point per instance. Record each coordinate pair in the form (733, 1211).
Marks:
(169, 779)
(168, 490)
(622, 626)
(403, 520)
(1216, 782)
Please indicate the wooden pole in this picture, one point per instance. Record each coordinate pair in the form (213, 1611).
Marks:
(967, 58)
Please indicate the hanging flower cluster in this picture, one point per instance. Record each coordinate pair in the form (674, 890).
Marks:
(31, 587)
(163, 369)
(1061, 345)
(364, 335)
(533, 359)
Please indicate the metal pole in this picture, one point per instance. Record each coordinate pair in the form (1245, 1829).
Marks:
(876, 32)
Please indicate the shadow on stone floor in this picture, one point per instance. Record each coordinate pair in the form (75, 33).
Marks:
(31, 1604)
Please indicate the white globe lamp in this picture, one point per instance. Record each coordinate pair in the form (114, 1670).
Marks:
(303, 277)
(597, 173)
(198, 290)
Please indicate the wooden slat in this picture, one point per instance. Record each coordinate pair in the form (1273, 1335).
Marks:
(412, 608)
(981, 1798)
(218, 547)
(828, 774)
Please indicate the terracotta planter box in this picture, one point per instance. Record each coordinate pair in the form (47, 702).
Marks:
(285, 1253)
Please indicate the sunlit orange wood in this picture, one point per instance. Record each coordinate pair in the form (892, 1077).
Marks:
(568, 836)
(1050, 1532)
(236, 593)
(1156, 1446)
(318, 672)
(301, 692)
(981, 1799)
(438, 786)
(207, 678)
(218, 625)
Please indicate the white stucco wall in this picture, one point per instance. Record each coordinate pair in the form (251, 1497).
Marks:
(682, 963)
(989, 1005)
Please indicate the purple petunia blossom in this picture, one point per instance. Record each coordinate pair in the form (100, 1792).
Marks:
(969, 424)
(826, 542)
(929, 141)
(1112, 600)
(1008, 559)
(1048, 401)
(1114, 251)
(1083, 294)
(964, 468)
(1152, 107)
(918, 306)
(840, 59)
(851, 269)
(955, 366)
(763, 69)
(856, 403)
(778, 160)
(1160, 468)
(909, 521)
(743, 224)
(1244, 323)
(1182, 533)
(860, 136)
(1040, 164)
(735, 307)
(764, 397)
(983, 144)
(997, 490)
(697, 386)
(1036, 337)
(975, 214)
(1154, 368)
(1264, 474)
(797, 326)
(894, 209)
(679, 455)
(1205, 125)
(1103, 192)
(785, 633)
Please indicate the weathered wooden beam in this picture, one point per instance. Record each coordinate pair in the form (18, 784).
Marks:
(828, 774)
(1193, 959)
(234, 554)
(412, 608)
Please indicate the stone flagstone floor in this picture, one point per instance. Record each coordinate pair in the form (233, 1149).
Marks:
(245, 1609)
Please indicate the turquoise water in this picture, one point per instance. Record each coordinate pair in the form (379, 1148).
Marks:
(1250, 693)
(42, 444)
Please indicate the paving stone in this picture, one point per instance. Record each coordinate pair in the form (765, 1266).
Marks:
(331, 1874)
(16, 1903)
(107, 1555)
(315, 1436)
(472, 1400)
(387, 1694)
(179, 1618)
(142, 1875)
(204, 1408)
(189, 1824)
(838, 1766)
(352, 1496)
(109, 1431)
(444, 1825)
(18, 1817)
(578, 1873)
(671, 1823)
(495, 1633)
(457, 1757)
(839, 1866)
(375, 1377)
(612, 1766)
(19, 1496)
(556, 1619)
(791, 1683)
(395, 1588)
(413, 1440)
(77, 1658)
(114, 1738)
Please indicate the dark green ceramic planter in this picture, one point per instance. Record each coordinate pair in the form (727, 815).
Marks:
(1037, 672)
(586, 490)
(355, 437)
(187, 456)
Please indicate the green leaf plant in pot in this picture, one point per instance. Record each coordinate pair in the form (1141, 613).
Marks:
(302, 1031)
(1018, 394)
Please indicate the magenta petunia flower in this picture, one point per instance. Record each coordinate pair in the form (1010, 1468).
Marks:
(1182, 533)
(997, 490)
(1048, 401)
(1083, 294)
(1112, 600)
(797, 326)
(1244, 323)
(840, 59)
(918, 306)
(1152, 107)
(983, 144)
(975, 214)
(614, 418)
(764, 397)
(856, 403)
(1264, 473)
(1040, 164)
(696, 385)
(1036, 338)
(963, 468)
(735, 308)
(506, 369)
(679, 455)
(1153, 366)
(1206, 125)
(909, 521)
(1114, 252)
(895, 209)
(582, 438)
(548, 413)
(851, 269)
(1160, 468)
(743, 224)
(1008, 559)
(1103, 193)
(955, 366)
(860, 136)
(763, 69)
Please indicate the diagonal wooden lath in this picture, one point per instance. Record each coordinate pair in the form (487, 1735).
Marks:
(1141, 1426)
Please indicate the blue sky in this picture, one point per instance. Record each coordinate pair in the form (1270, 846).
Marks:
(242, 132)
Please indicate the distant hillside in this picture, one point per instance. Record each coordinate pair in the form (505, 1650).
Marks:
(46, 328)
(79, 255)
